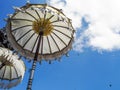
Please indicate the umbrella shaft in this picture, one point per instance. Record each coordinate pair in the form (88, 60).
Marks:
(37, 49)
(31, 75)
(34, 65)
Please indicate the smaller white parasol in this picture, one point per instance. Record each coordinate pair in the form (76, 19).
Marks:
(12, 69)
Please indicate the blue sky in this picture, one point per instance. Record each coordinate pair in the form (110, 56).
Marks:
(86, 70)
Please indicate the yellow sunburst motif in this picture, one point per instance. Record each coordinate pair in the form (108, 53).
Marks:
(43, 25)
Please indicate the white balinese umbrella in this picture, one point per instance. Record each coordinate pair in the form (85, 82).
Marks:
(11, 69)
(38, 32)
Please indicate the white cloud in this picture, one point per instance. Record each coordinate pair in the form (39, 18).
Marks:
(103, 32)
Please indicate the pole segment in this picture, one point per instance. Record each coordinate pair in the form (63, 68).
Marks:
(29, 86)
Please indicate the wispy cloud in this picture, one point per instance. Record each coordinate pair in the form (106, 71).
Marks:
(103, 19)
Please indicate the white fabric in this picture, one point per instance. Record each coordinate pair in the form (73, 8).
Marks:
(13, 72)
(61, 27)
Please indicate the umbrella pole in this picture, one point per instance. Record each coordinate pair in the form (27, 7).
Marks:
(29, 86)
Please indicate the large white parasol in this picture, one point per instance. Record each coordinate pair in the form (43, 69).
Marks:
(11, 69)
(39, 32)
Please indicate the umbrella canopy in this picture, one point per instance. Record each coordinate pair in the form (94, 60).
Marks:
(28, 22)
(39, 31)
(11, 69)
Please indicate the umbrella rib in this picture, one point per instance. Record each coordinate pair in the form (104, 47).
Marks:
(45, 15)
(62, 33)
(50, 17)
(55, 42)
(22, 19)
(31, 15)
(59, 38)
(24, 35)
(44, 18)
(56, 21)
(16, 72)
(34, 44)
(20, 27)
(4, 72)
(38, 14)
(10, 73)
(62, 27)
(49, 44)
(28, 40)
